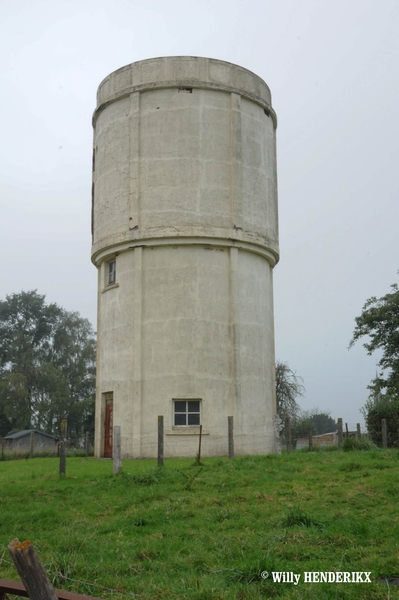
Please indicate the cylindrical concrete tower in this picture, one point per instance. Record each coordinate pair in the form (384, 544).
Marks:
(185, 238)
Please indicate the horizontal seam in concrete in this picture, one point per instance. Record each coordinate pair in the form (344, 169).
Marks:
(204, 85)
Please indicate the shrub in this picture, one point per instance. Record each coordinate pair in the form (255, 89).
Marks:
(385, 407)
(352, 443)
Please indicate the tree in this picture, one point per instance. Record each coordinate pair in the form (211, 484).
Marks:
(323, 421)
(319, 422)
(47, 366)
(384, 407)
(379, 321)
(289, 387)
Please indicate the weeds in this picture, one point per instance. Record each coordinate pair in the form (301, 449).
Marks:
(351, 443)
(296, 516)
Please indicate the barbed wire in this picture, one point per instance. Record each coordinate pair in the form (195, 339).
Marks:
(215, 435)
(87, 583)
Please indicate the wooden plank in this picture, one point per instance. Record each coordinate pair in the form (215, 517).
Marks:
(18, 589)
(3, 595)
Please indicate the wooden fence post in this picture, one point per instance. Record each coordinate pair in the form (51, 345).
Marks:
(32, 444)
(310, 438)
(2, 448)
(31, 571)
(117, 450)
(384, 433)
(64, 429)
(87, 444)
(288, 434)
(62, 457)
(199, 446)
(340, 433)
(230, 425)
(358, 432)
(160, 440)
(347, 430)
(276, 430)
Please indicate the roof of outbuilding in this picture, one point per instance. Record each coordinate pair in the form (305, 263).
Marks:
(25, 432)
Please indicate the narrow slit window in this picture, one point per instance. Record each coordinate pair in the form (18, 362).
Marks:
(111, 272)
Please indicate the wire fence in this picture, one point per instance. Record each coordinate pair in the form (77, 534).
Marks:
(218, 439)
(35, 445)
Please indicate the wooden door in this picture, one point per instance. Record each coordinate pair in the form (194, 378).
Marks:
(109, 424)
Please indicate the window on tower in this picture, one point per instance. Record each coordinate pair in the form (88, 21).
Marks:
(111, 272)
(187, 412)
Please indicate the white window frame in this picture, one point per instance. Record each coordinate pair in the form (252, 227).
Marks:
(111, 272)
(187, 412)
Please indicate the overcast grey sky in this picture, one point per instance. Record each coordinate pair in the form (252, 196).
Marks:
(333, 72)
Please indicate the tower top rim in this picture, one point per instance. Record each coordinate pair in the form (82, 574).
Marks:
(182, 71)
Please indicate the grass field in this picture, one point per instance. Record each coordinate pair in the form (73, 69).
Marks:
(208, 532)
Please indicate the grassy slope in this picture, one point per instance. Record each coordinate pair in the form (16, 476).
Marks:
(182, 532)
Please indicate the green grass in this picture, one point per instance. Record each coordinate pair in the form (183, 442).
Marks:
(207, 532)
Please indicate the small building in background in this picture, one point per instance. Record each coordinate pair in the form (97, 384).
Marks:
(20, 441)
(323, 440)
(319, 441)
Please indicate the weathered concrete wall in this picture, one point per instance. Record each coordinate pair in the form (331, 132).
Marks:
(185, 201)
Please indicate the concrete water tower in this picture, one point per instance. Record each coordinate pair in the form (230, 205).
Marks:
(185, 238)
